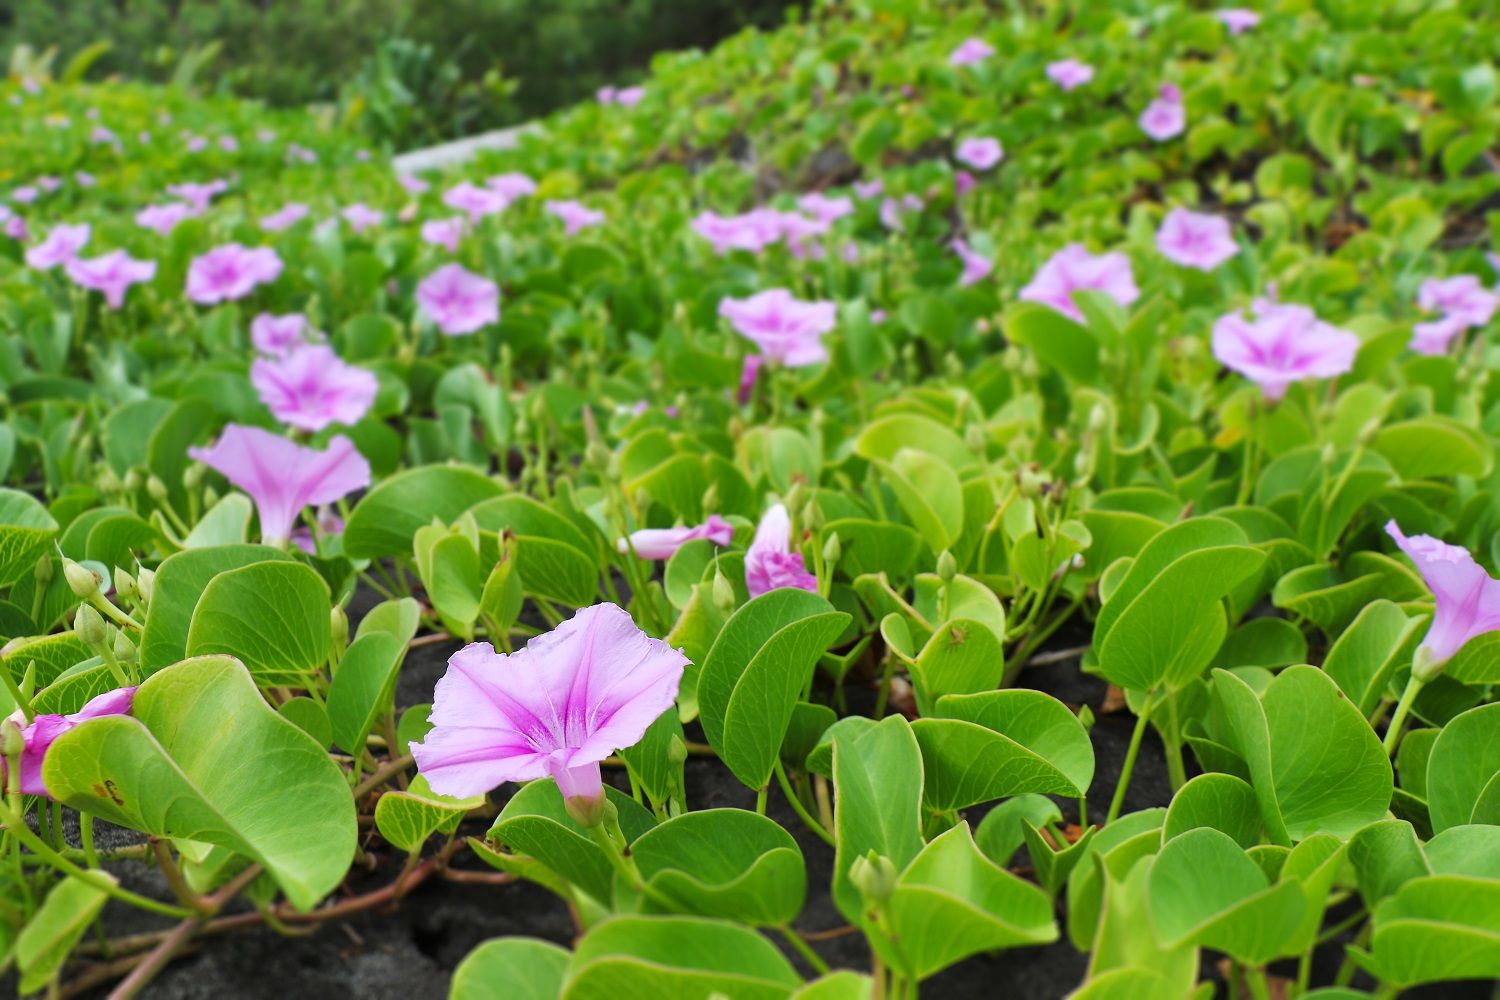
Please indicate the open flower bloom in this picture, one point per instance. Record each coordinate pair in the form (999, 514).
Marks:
(971, 51)
(458, 301)
(412, 185)
(574, 215)
(38, 736)
(444, 233)
(1164, 117)
(770, 562)
(279, 334)
(61, 245)
(513, 185)
(1193, 239)
(1069, 74)
(289, 215)
(1074, 269)
(474, 200)
(164, 218)
(230, 272)
(555, 708)
(753, 231)
(865, 190)
(1438, 335)
(111, 275)
(310, 387)
(786, 329)
(281, 476)
(981, 153)
(361, 216)
(663, 543)
(976, 267)
(1238, 19)
(1461, 298)
(823, 208)
(629, 97)
(198, 195)
(26, 194)
(1281, 345)
(1468, 598)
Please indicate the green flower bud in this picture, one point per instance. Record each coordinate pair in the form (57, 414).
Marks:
(796, 498)
(107, 481)
(711, 499)
(723, 592)
(156, 489)
(947, 566)
(81, 580)
(145, 581)
(338, 625)
(89, 626)
(124, 585)
(677, 751)
(833, 550)
(44, 572)
(12, 743)
(874, 876)
(124, 648)
(812, 516)
(192, 476)
(132, 480)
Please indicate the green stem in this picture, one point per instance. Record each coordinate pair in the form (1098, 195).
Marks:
(760, 799)
(798, 807)
(804, 949)
(1403, 708)
(16, 694)
(1255, 980)
(1130, 754)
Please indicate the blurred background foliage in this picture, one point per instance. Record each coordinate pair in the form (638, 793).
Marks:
(407, 72)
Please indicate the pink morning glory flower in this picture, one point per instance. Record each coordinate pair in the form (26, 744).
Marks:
(102, 136)
(444, 233)
(799, 232)
(25, 194)
(786, 329)
(15, 226)
(229, 144)
(163, 218)
(198, 195)
(458, 301)
(770, 562)
(297, 153)
(981, 153)
(574, 215)
(285, 217)
(629, 97)
(230, 272)
(1436, 336)
(963, 182)
(1164, 117)
(413, 185)
(1281, 345)
(281, 476)
(39, 735)
(84, 179)
(1069, 74)
(976, 268)
(1468, 598)
(605, 95)
(1074, 269)
(823, 208)
(329, 524)
(752, 231)
(310, 387)
(111, 275)
(476, 201)
(865, 190)
(749, 375)
(1461, 297)
(61, 245)
(361, 216)
(196, 144)
(513, 185)
(663, 543)
(279, 334)
(553, 709)
(49, 183)
(970, 52)
(1238, 19)
(892, 210)
(1195, 240)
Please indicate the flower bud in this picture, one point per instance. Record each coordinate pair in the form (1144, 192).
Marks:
(210, 497)
(156, 489)
(599, 455)
(338, 625)
(124, 584)
(107, 482)
(145, 581)
(1098, 418)
(947, 566)
(89, 626)
(812, 516)
(1329, 456)
(132, 480)
(711, 499)
(12, 741)
(81, 580)
(976, 438)
(677, 751)
(123, 647)
(796, 498)
(874, 876)
(44, 572)
(833, 550)
(1031, 483)
(1369, 430)
(723, 592)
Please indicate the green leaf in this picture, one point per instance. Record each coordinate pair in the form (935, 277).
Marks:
(882, 439)
(1053, 866)
(226, 523)
(1116, 850)
(1435, 446)
(363, 688)
(386, 518)
(1435, 929)
(272, 616)
(512, 968)
(961, 657)
(45, 942)
(180, 581)
(1463, 763)
(1219, 801)
(407, 818)
(1001, 833)
(1385, 856)
(203, 757)
(645, 956)
(877, 781)
(1056, 340)
(1363, 659)
(310, 717)
(930, 493)
(26, 529)
(725, 863)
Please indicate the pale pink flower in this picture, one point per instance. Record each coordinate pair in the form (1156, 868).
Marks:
(1069, 74)
(629, 97)
(15, 227)
(1196, 240)
(38, 736)
(361, 216)
(605, 95)
(413, 185)
(786, 329)
(49, 183)
(444, 232)
(1436, 336)
(770, 562)
(1074, 269)
(749, 375)
(476, 201)
(981, 153)
(286, 217)
(196, 144)
(277, 335)
(512, 185)
(198, 195)
(1467, 598)
(458, 301)
(892, 211)
(84, 179)
(111, 275)
(865, 190)
(26, 194)
(976, 268)
(970, 52)
(1461, 297)
(61, 245)
(1164, 117)
(329, 525)
(1238, 19)
(229, 144)
(310, 387)
(663, 543)
(1281, 345)
(963, 182)
(752, 231)
(575, 215)
(823, 208)
(164, 218)
(230, 272)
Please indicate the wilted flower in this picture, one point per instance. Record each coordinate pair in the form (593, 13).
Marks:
(574, 215)
(971, 51)
(1281, 345)
(1195, 240)
(1069, 74)
(230, 272)
(279, 334)
(555, 708)
(310, 387)
(786, 329)
(823, 208)
(39, 735)
(976, 267)
(663, 543)
(981, 153)
(513, 185)
(444, 232)
(361, 216)
(61, 245)
(458, 301)
(198, 195)
(1074, 269)
(1238, 19)
(474, 200)
(1467, 598)
(281, 476)
(163, 218)
(111, 275)
(1164, 117)
(287, 216)
(770, 562)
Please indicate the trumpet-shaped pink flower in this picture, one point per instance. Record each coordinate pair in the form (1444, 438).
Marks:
(663, 543)
(513, 185)
(770, 562)
(39, 735)
(278, 334)
(164, 217)
(15, 226)
(281, 476)
(458, 301)
(1195, 240)
(1164, 117)
(412, 184)
(286, 217)
(1437, 336)
(981, 153)
(825, 209)
(1468, 598)
(444, 233)
(361, 216)
(474, 200)
(555, 708)
(1238, 19)
(629, 97)
(61, 245)
(1069, 74)
(575, 215)
(198, 195)
(111, 275)
(230, 272)
(749, 375)
(752, 231)
(310, 387)
(1461, 297)
(976, 268)
(1281, 345)
(1074, 269)
(970, 52)
(786, 329)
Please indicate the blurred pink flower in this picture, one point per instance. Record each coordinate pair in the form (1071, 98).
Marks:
(787, 330)
(230, 272)
(1436, 336)
(1074, 269)
(752, 231)
(1164, 117)
(444, 232)
(278, 334)
(512, 185)
(310, 387)
(61, 245)
(1467, 598)
(1069, 74)
(198, 195)
(963, 182)
(361, 216)
(458, 301)
(1196, 240)
(26, 194)
(892, 210)
(823, 208)
(1461, 297)
(663, 543)
(981, 153)
(49, 183)
(770, 562)
(412, 184)
(749, 375)
(976, 268)
(84, 179)
(196, 144)
(1238, 19)
(971, 51)
(287, 216)
(1281, 345)
(629, 97)
(15, 227)
(38, 736)
(865, 190)
(283, 477)
(605, 95)
(164, 218)
(229, 144)
(111, 275)
(99, 135)
(474, 200)
(574, 215)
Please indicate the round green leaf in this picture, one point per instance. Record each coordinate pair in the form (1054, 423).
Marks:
(725, 863)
